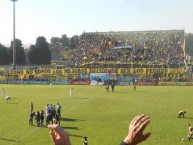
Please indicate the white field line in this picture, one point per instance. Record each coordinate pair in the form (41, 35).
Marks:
(82, 102)
(25, 136)
(114, 112)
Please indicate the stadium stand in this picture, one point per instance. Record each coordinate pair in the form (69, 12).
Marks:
(115, 49)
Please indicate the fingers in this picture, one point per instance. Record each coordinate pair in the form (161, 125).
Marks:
(59, 135)
(52, 126)
(134, 119)
(144, 122)
(146, 136)
(53, 137)
(136, 129)
(58, 129)
(137, 119)
(139, 123)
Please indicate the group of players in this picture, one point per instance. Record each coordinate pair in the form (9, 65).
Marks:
(39, 117)
(53, 115)
(181, 114)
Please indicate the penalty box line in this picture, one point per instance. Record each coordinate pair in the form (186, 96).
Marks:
(82, 102)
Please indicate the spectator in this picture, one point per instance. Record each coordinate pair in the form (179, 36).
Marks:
(136, 128)
(59, 136)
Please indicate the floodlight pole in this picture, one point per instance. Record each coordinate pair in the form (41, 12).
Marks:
(14, 50)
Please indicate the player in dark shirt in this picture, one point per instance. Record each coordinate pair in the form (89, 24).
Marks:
(38, 118)
(58, 108)
(113, 87)
(31, 118)
(42, 117)
(134, 87)
(181, 114)
(57, 118)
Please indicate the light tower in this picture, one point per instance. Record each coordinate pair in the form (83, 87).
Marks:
(14, 50)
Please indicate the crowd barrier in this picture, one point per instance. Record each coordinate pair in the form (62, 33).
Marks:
(175, 84)
(36, 82)
(91, 83)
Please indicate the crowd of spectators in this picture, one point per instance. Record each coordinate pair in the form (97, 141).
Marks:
(148, 47)
(91, 48)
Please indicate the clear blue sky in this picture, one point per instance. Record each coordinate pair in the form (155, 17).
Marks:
(52, 18)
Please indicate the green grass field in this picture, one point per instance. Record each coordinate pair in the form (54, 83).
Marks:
(93, 112)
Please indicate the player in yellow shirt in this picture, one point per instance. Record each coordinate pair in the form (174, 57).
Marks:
(190, 132)
(107, 88)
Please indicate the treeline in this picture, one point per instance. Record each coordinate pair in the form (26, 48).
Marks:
(40, 53)
(61, 47)
(6, 54)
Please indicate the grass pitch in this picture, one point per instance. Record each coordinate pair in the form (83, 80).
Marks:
(101, 116)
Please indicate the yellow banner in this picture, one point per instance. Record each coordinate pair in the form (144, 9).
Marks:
(156, 70)
(104, 70)
(29, 72)
(132, 71)
(43, 71)
(176, 71)
(75, 70)
(15, 72)
(142, 71)
(58, 71)
(2, 69)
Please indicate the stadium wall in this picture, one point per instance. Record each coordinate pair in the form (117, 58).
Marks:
(87, 76)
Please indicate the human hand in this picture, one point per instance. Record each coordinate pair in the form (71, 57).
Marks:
(59, 136)
(136, 128)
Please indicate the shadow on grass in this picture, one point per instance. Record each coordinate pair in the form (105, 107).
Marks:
(12, 103)
(141, 91)
(70, 127)
(73, 135)
(120, 92)
(189, 117)
(69, 119)
(78, 98)
(5, 139)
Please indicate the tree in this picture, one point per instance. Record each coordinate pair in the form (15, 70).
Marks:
(189, 44)
(20, 54)
(65, 41)
(73, 42)
(33, 55)
(40, 53)
(55, 40)
(59, 46)
(4, 55)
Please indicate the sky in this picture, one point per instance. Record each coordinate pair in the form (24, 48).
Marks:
(53, 18)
